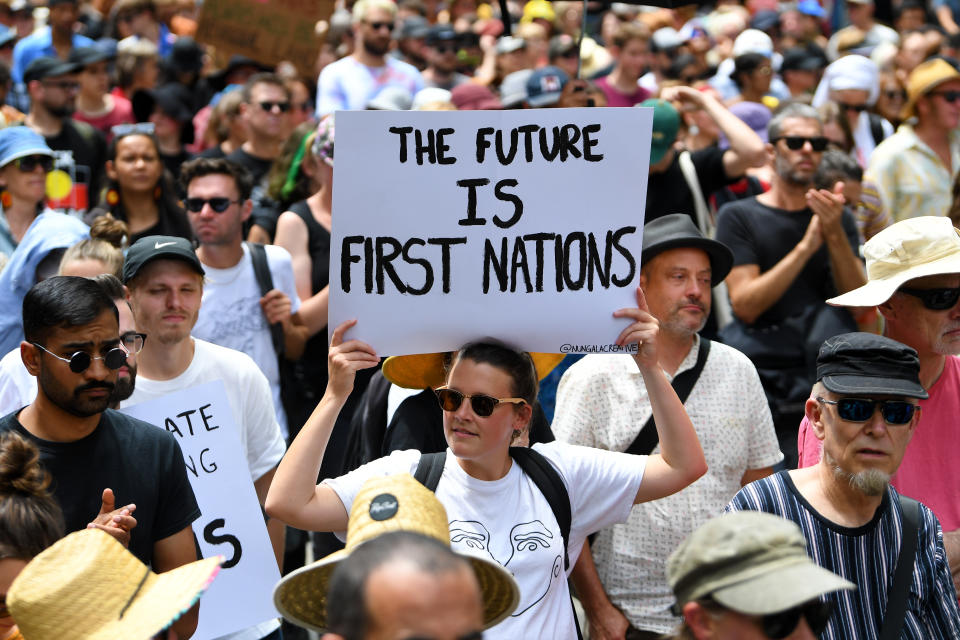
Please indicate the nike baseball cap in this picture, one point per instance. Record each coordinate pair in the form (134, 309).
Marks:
(150, 248)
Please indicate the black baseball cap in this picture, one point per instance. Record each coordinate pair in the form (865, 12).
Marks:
(866, 364)
(83, 56)
(150, 248)
(47, 67)
(678, 230)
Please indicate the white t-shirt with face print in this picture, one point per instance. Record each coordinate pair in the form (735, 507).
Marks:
(510, 522)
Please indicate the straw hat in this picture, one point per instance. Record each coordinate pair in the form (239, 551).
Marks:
(88, 586)
(911, 248)
(924, 79)
(384, 504)
(428, 370)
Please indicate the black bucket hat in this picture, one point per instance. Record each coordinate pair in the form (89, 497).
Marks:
(678, 230)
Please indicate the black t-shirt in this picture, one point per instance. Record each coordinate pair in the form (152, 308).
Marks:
(762, 235)
(172, 163)
(258, 167)
(668, 192)
(141, 463)
(89, 149)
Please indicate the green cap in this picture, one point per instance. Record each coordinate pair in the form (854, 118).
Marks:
(666, 124)
(751, 562)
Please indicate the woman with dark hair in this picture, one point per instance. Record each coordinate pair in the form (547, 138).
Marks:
(139, 192)
(494, 506)
(752, 74)
(30, 518)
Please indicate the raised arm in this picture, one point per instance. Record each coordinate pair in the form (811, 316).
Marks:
(294, 496)
(680, 461)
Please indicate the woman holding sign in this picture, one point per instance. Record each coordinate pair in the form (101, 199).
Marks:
(497, 508)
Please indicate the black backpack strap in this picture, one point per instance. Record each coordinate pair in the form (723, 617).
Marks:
(542, 473)
(876, 128)
(261, 269)
(897, 599)
(648, 438)
(430, 468)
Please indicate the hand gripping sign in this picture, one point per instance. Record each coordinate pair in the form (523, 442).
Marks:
(231, 523)
(524, 226)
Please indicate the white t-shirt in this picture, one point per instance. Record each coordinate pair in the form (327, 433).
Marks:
(510, 520)
(247, 391)
(230, 313)
(17, 387)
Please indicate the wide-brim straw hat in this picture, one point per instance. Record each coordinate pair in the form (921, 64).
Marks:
(911, 248)
(924, 79)
(428, 370)
(87, 586)
(385, 504)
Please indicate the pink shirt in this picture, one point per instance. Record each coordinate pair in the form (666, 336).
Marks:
(929, 472)
(616, 98)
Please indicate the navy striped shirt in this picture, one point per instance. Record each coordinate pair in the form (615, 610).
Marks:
(867, 556)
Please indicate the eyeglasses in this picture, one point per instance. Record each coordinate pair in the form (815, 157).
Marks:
(28, 164)
(764, 71)
(446, 47)
(270, 106)
(377, 26)
(862, 409)
(935, 299)
(846, 106)
(81, 360)
(142, 128)
(482, 405)
(63, 85)
(133, 341)
(795, 143)
(781, 625)
(894, 94)
(949, 96)
(219, 205)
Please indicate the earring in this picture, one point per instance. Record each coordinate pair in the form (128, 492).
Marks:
(157, 192)
(112, 197)
(6, 199)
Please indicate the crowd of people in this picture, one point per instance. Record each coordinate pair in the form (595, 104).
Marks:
(772, 460)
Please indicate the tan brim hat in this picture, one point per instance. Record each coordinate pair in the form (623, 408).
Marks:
(912, 248)
(924, 79)
(386, 504)
(427, 370)
(87, 586)
(301, 596)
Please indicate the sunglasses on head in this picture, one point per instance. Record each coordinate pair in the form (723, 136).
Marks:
(219, 205)
(142, 128)
(482, 405)
(28, 164)
(935, 299)
(846, 106)
(781, 625)
(862, 409)
(270, 106)
(81, 360)
(795, 143)
(949, 96)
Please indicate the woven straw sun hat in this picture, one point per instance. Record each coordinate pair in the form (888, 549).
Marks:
(429, 370)
(924, 79)
(87, 586)
(385, 504)
(911, 248)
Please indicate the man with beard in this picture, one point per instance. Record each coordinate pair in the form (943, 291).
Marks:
(95, 455)
(81, 149)
(863, 408)
(165, 280)
(351, 82)
(602, 403)
(914, 279)
(793, 247)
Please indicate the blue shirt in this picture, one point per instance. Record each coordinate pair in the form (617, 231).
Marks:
(39, 44)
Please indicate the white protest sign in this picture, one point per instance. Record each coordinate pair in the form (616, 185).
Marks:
(523, 226)
(231, 524)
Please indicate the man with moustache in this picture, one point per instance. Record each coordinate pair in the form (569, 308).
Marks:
(864, 410)
(793, 247)
(602, 403)
(351, 82)
(95, 455)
